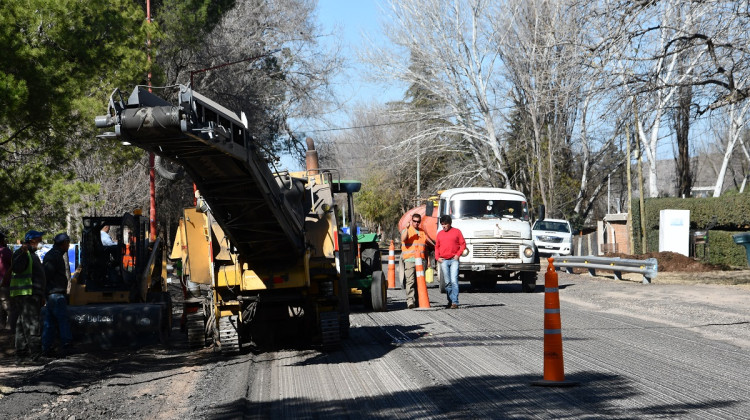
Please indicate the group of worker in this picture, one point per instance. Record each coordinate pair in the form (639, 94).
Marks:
(449, 245)
(28, 285)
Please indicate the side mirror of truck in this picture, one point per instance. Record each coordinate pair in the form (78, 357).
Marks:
(540, 212)
(429, 208)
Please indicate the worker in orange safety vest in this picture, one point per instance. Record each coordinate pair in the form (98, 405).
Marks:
(412, 247)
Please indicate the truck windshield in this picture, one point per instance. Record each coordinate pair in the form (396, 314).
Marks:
(489, 209)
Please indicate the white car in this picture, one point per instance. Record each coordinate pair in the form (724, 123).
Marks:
(553, 236)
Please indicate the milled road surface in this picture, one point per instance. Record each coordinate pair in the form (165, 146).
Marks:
(636, 351)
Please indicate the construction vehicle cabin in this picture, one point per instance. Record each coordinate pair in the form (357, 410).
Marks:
(118, 294)
(263, 254)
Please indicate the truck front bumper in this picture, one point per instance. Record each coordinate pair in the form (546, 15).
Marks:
(477, 266)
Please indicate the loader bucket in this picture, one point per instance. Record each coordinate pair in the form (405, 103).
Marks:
(115, 325)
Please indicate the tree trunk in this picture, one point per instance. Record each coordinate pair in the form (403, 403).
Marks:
(682, 132)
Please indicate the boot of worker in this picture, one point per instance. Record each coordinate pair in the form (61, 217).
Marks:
(21, 358)
(66, 350)
(38, 359)
(49, 352)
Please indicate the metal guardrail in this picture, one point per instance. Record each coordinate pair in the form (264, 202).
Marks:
(617, 265)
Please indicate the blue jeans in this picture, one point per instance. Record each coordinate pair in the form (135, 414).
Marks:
(56, 317)
(449, 272)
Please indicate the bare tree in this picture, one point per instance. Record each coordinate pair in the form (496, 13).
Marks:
(526, 63)
(451, 52)
(737, 116)
(364, 153)
(554, 82)
(656, 67)
(280, 73)
(678, 55)
(285, 74)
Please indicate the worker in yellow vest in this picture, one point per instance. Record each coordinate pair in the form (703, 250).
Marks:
(27, 288)
(412, 247)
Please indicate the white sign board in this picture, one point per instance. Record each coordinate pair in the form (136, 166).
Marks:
(674, 231)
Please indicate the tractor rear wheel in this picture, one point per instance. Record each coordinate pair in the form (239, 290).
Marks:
(379, 292)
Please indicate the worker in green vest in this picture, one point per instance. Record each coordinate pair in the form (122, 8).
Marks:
(27, 287)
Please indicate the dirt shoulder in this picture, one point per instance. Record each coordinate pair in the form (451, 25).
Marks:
(737, 277)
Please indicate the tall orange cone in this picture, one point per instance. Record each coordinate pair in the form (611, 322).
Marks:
(554, 374)
(391, 266)
(424, 298)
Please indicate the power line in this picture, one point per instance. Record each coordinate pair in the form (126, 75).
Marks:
(394, 123)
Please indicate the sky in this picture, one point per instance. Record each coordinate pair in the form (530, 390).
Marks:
(349, 20)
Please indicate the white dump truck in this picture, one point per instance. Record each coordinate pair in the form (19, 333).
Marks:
(496, 225)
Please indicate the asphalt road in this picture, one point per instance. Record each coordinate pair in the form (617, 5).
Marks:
(635, 350)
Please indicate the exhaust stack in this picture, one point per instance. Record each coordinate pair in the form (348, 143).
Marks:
(311, 158)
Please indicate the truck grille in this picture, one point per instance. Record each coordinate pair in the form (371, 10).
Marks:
(496, 251)
(550, 239)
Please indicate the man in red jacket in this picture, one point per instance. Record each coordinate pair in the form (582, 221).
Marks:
(449, 245)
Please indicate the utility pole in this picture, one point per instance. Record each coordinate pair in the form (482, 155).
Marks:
(418, 164)
(640, 184)
(631, 244)
(609, 206)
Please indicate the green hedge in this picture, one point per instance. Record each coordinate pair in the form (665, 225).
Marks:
(732, 214)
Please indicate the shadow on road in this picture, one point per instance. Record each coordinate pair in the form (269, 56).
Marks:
(598, 396)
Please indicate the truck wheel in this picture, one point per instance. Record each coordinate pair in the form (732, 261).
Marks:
(441, 279)
(379, 292)
(528, 281)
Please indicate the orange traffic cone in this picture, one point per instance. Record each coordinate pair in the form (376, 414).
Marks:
(554, 374)
(424, 299)
(391, 266)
